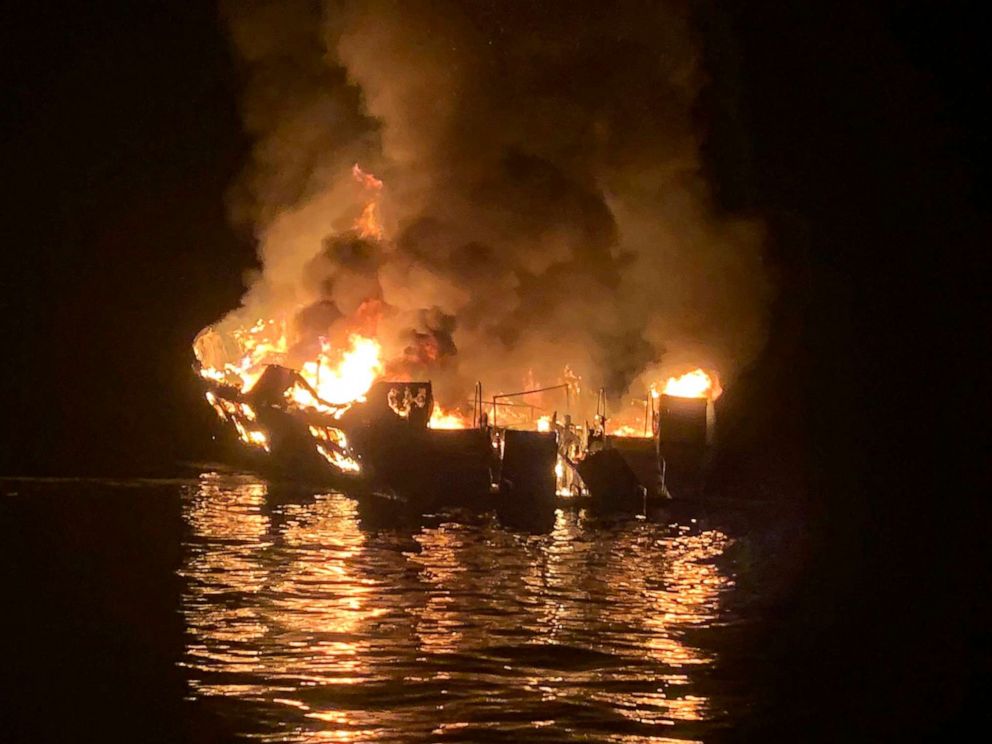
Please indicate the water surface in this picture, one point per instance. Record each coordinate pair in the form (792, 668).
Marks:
(307, 621)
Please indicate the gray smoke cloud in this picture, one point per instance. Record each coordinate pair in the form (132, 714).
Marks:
(543, 201)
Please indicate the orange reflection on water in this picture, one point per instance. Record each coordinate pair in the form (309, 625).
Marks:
(318, 601)
(653, 589)
(229, 514)
(274, 607)
(321, 630)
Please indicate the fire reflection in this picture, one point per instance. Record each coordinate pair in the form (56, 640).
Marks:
(221, 631)
(273, 608)
(653, 589)
(304, 624)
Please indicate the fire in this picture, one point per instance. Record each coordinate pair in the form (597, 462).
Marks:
(332, 445)
(626, 430)
(330, 377)
(340, 383)
(339, 376)
(349, 380)
(695, 384)
(256, 346)
(441, 419)
(368, 224)
(367, 180)
(634, 417)
(243, 418)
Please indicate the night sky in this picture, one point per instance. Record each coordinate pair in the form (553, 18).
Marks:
(857, 134)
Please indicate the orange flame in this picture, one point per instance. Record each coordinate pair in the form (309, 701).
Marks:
(441, 419)
(349, 380)
(632, 419)
(332, 445)
(340, 383)
(626, 430)
(695, 384)
(243, 417)
(368, 224)
(338, 377)
(367, 180)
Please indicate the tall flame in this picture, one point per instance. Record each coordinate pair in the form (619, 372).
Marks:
(368, 224)
(339, 376)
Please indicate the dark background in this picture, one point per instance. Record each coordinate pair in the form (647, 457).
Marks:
(125, 136)
(856, 130)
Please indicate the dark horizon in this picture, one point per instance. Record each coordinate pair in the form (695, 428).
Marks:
(856, 134)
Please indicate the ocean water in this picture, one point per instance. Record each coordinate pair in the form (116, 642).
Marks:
(222, 606)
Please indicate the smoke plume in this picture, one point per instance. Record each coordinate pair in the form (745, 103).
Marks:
(542, 201)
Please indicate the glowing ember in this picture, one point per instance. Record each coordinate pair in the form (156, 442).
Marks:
(329, 434)
(544, 423)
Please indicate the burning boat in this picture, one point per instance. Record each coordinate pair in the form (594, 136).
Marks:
(391, 438)
(328, 379)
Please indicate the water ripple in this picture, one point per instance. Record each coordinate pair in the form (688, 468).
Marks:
(303, 626)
